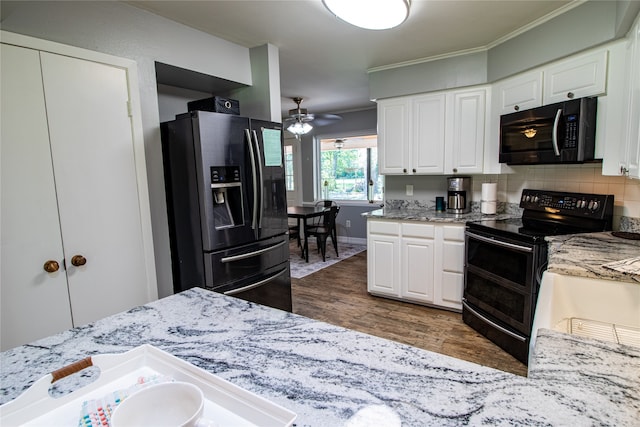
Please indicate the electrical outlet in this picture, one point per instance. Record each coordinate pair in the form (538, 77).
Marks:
(409, 190)
(348, 223)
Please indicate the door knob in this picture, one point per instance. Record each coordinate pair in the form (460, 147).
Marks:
(51, 266)
(78, 260)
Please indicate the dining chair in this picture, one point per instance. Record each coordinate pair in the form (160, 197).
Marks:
(294, 233)
(324, 228)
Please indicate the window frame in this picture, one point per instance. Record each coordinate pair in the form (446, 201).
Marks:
(317, 180)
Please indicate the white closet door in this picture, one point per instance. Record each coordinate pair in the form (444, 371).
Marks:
(35, 304)
(93, 159)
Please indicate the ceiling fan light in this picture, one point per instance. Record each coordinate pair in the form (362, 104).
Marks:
(370, 14)
(299, 128)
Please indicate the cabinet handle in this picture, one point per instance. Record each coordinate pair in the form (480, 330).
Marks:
(455, 170)
(517, 108)
(404, 171)
(414, 171)
(570, 95)
(51, 266)
(624, 171)
(78, 260)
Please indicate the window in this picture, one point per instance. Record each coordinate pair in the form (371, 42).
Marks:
(349, 169)
(288, 168)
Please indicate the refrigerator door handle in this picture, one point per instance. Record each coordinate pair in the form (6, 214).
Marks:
(254, 220)
(261, 177)
(257, 284)
(251, 254)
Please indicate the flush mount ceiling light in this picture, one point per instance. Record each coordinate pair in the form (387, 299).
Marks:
(370, 14)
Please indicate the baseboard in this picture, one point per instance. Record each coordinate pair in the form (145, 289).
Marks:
(353, 240)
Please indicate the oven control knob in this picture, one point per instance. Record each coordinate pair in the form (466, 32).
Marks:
(590, 204)
(595, 205)
(535, 199)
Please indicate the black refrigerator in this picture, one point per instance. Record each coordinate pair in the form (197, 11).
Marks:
(227, 206)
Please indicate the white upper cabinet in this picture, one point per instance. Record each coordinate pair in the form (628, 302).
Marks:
(618, 127)
(393, 135)
(428, 137)
(436, 133)
(576, 77)
(465, 141)
(521, 92)
(632, 157)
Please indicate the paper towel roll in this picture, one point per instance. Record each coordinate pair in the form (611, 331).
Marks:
(489, 192)
(488, 207)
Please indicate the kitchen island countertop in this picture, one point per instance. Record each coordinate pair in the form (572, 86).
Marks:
(332, 376)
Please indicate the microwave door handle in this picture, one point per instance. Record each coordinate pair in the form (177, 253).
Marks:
(254, 176)
(554, 137)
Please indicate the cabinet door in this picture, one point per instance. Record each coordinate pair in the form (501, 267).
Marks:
(35, 304)
(417, 269)
(450, 265)
(428, 133)
(393, 136)
(93, 159)
(584, 75)
(382, 265)
(383, 257)
(518, 93)
(633, 122)
(464, 151)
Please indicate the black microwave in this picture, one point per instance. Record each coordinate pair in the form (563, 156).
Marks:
(557, 133)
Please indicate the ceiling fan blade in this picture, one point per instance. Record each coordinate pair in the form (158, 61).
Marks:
(325, 119)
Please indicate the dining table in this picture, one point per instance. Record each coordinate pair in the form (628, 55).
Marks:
(302, 214)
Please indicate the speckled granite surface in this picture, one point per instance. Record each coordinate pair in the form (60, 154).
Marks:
(584, 255)
(429, 215)
(329, 375)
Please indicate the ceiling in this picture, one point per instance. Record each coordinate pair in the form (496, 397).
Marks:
(325, 60)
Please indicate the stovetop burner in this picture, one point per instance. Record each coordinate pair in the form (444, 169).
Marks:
(551, 213)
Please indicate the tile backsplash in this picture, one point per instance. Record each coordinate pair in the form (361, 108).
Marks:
(585, 178)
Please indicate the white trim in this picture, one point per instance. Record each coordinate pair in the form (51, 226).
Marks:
(486, 47)
(131, 68)
(353, 240)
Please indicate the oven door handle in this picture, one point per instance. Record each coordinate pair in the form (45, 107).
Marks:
(495, 325)
(499, 243)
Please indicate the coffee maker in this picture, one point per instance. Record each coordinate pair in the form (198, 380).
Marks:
(459, 194)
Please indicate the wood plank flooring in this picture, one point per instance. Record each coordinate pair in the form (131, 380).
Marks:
(338, 295)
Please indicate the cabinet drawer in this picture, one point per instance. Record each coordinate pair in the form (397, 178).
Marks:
(455, 233)
(383, 227)
(418, 230)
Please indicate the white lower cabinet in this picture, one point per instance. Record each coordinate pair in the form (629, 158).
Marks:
(383, 258)
(449, 266)
(416, 261)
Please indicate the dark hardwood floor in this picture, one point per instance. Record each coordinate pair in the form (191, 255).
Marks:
(338, 295)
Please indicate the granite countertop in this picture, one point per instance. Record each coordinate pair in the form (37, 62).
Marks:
(332, 376)
(430, 215)
(584, 255)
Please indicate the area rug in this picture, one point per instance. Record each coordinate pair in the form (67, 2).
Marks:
(300, 268)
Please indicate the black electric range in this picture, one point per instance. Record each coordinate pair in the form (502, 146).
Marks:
(505, 260)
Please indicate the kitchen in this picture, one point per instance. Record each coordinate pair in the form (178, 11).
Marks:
(424, 187)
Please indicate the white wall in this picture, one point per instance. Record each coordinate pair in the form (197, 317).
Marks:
(121, 30)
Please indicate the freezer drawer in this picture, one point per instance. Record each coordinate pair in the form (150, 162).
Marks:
(235, 264)
(271, 287)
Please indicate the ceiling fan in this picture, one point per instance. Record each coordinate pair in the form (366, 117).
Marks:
(301, 122)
